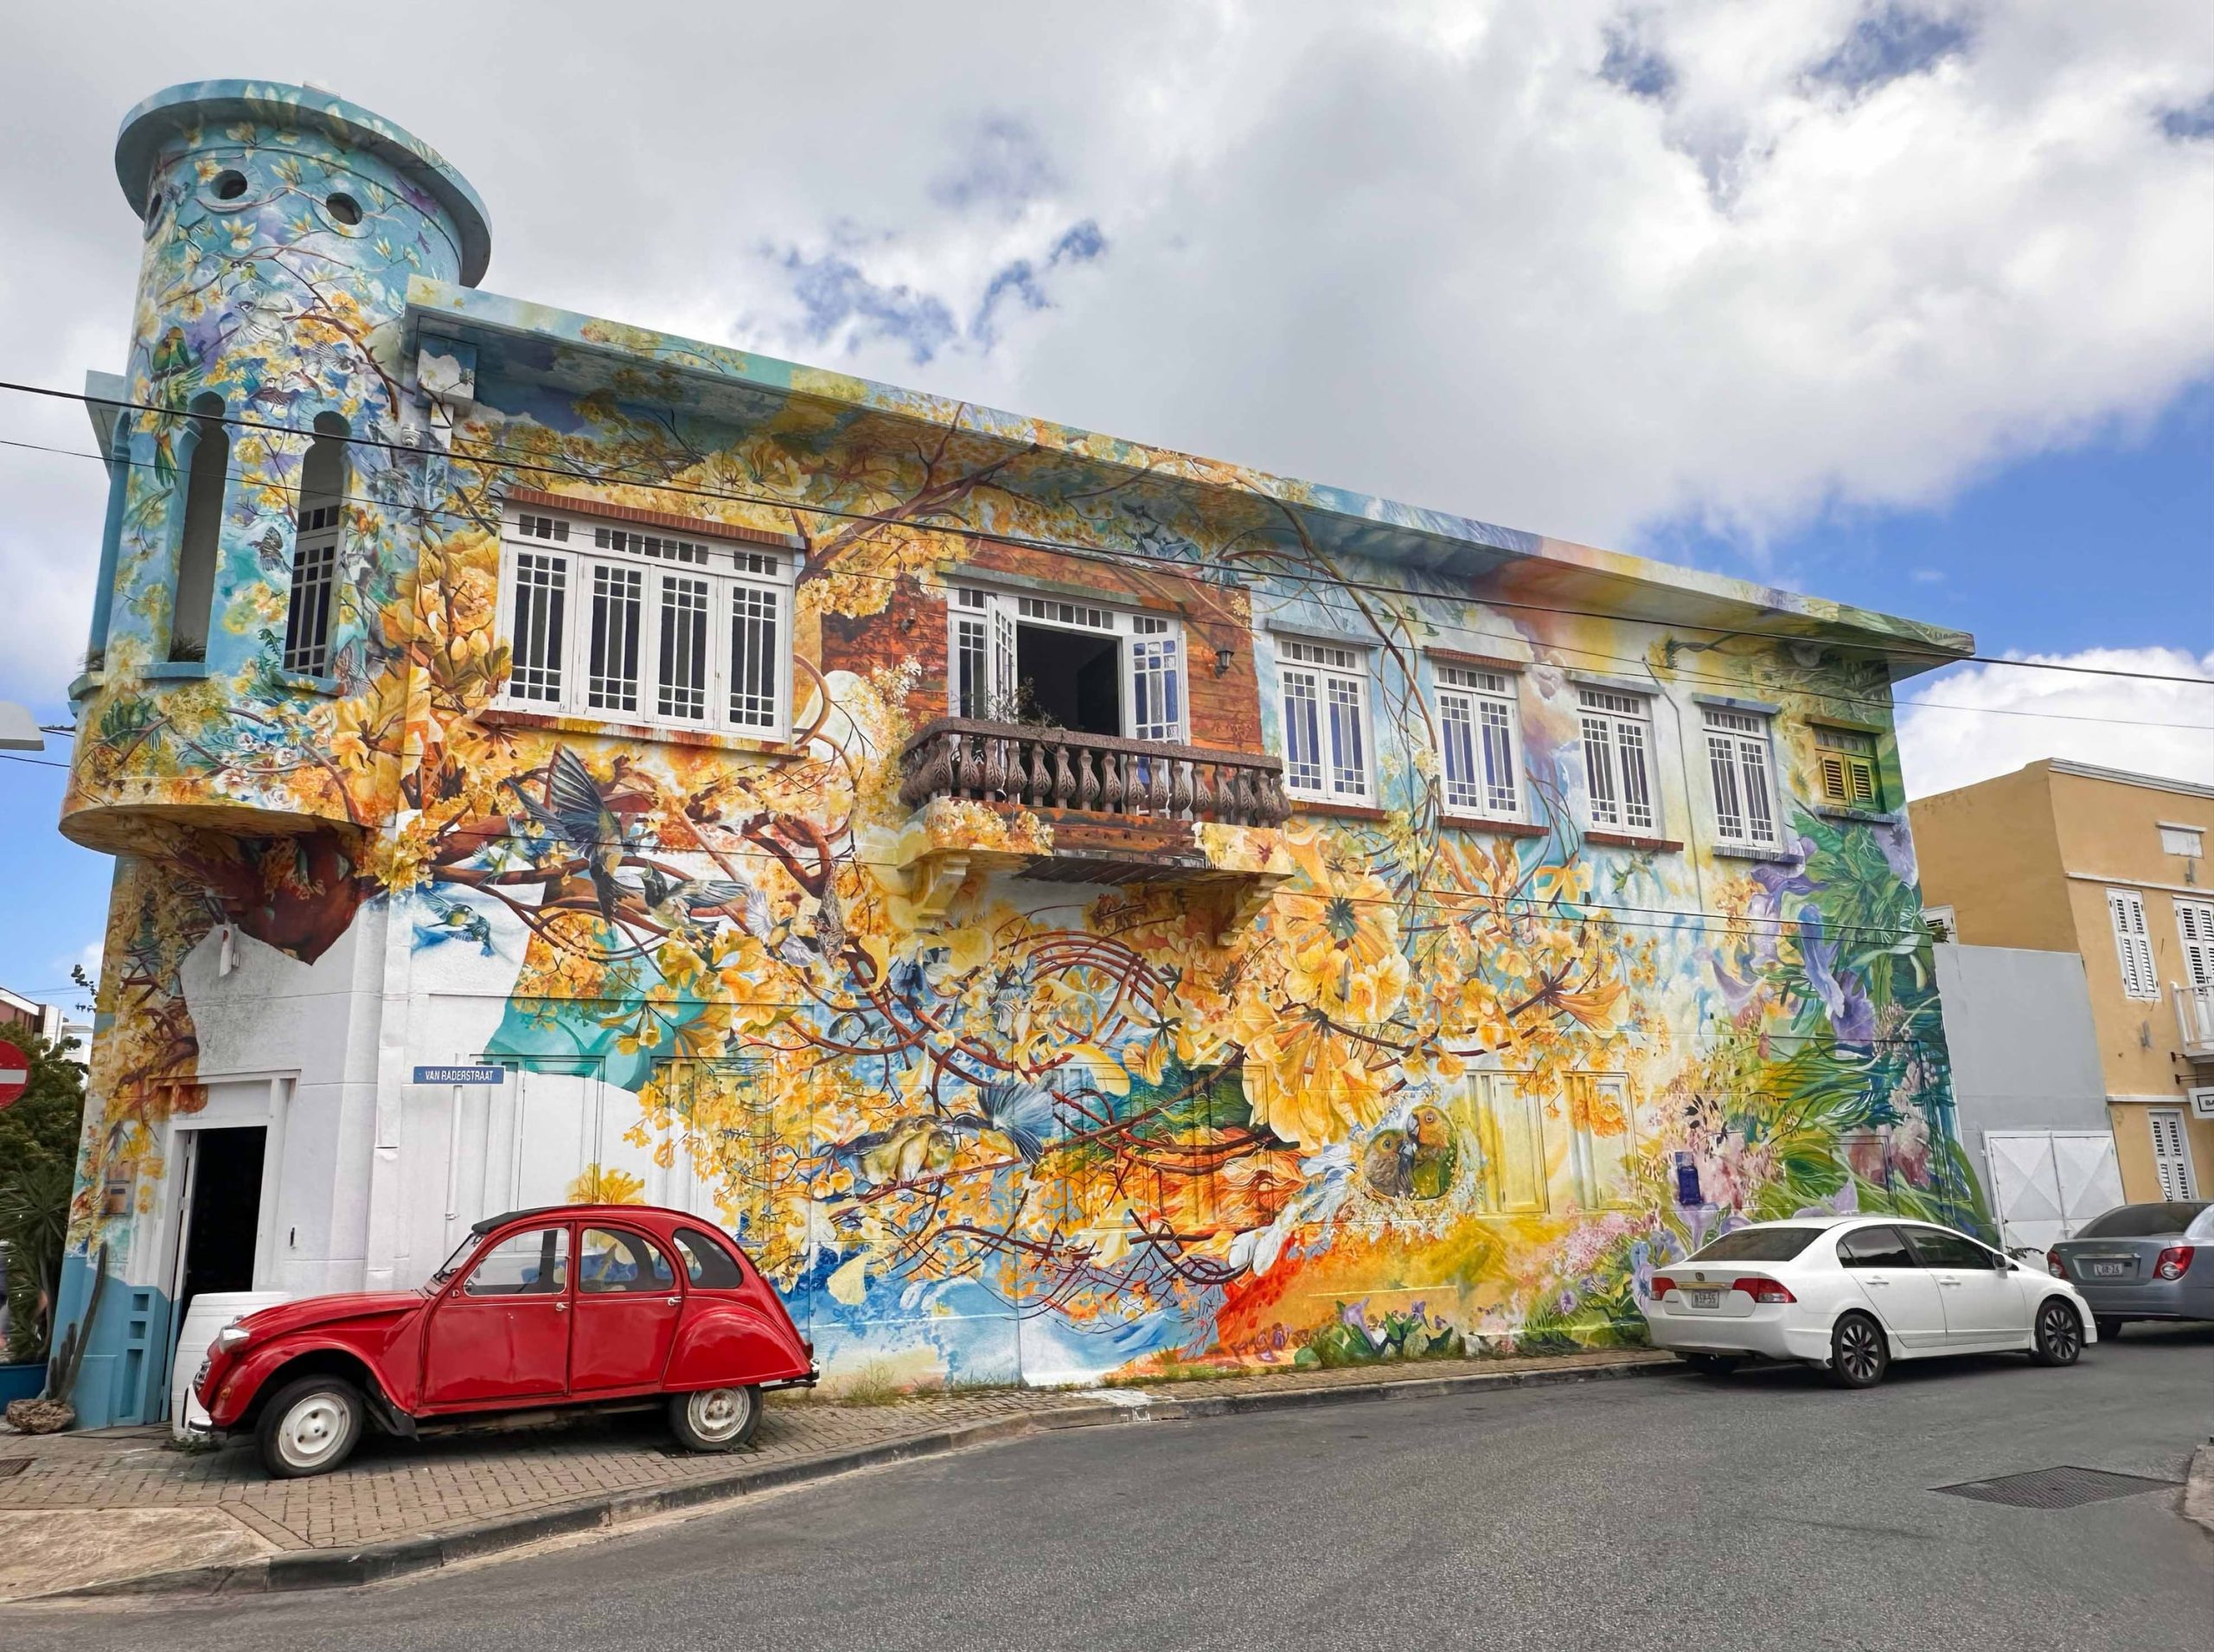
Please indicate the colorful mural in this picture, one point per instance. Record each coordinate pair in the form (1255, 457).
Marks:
(1330, 1085)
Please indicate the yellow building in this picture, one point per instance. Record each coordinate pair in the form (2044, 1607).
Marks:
(2069, 857)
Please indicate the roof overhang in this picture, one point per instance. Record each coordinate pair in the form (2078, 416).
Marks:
(577, 355)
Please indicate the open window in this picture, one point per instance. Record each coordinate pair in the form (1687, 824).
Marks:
(666, 629)
(200, 546)
(315, 550)
(1079, 665)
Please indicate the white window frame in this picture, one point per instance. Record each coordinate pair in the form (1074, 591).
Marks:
(2171, 1169)
(1479, 730)
(744, 584)
(1323, 696)
(1616, 728)
(2195, 929)
(980, 659)
(1741, 777)
(2176, 838)
(311, 604)
(2133, 945)
(1941, 923)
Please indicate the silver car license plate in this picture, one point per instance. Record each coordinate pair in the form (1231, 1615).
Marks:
(1706, 1298)
(2105, 1269)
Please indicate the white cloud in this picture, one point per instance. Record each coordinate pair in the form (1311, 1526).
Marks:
(1555, 265)
(2015, 717)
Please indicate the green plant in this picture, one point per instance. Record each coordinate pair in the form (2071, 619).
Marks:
(68, 1355)
(38, 1156)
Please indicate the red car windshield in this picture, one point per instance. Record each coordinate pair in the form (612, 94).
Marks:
(451, 1265)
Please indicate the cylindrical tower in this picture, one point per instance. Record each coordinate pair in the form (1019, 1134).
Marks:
(253, 460)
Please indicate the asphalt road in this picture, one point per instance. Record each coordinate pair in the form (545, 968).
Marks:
(1765, 1510)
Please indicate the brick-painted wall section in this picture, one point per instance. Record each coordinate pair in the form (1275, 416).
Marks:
(1225, 710)
(910, 626)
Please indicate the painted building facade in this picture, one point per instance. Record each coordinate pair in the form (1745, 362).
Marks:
(1070, 908)
(2113, 866)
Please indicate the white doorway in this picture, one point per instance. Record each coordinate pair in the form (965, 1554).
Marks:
(2046, 1184)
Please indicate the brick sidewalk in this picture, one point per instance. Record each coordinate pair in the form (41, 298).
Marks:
(396, 1490)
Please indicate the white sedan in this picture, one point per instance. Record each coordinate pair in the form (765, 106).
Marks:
(1852, 1293)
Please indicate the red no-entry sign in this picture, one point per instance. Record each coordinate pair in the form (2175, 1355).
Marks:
(15, 1073)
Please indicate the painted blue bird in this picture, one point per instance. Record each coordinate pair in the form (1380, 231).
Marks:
(576, 816)
(458, 920)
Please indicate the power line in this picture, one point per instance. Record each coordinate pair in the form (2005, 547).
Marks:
(1885, 704)
(1085, 552)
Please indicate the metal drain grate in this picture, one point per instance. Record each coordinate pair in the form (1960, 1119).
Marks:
(2055, 1488)
(13, 1465)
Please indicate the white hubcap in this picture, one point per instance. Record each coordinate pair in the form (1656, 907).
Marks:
(719, 1413)
(312, 1430)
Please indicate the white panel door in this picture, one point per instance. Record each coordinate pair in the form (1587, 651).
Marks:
(2090, 1175)
(2046, 1184)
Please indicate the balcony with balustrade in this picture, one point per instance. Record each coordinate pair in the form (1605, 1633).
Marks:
(1065, 806)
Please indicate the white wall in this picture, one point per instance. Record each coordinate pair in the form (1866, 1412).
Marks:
(2025, 1055)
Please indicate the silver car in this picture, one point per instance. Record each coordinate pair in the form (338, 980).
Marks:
(2143, 1262)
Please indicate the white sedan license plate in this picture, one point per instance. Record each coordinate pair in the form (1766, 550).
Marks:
(1706, 1298)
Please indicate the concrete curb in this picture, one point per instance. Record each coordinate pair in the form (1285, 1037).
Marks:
(2198, 1489)
(295, 1569)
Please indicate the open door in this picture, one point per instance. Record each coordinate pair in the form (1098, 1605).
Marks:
(219, 1236)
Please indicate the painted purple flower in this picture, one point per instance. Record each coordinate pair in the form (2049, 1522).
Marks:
(1845, 1201)
(1570, 1302)
(1787, 878)
(1641, 1267)
(1852, 1018)
(1355, 1315)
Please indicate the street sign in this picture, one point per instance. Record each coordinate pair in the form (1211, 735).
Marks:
(461, 1075)
(14, 1073)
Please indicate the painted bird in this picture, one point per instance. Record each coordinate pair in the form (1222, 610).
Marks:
(1415, 1162)
(674, 905)
(456, 921)
(1020, 1109)
(173, 355)
(575, 814)
(908, 1149)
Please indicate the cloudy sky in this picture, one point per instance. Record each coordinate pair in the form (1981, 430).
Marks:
(1910, 304)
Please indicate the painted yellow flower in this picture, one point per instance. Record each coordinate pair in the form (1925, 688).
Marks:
(1340, 936)
(602, 1185)
(1306, 1080)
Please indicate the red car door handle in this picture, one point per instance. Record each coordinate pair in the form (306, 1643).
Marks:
(673, 1301)
(560, 1307)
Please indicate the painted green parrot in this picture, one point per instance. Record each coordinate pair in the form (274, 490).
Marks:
(1417, 1161)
